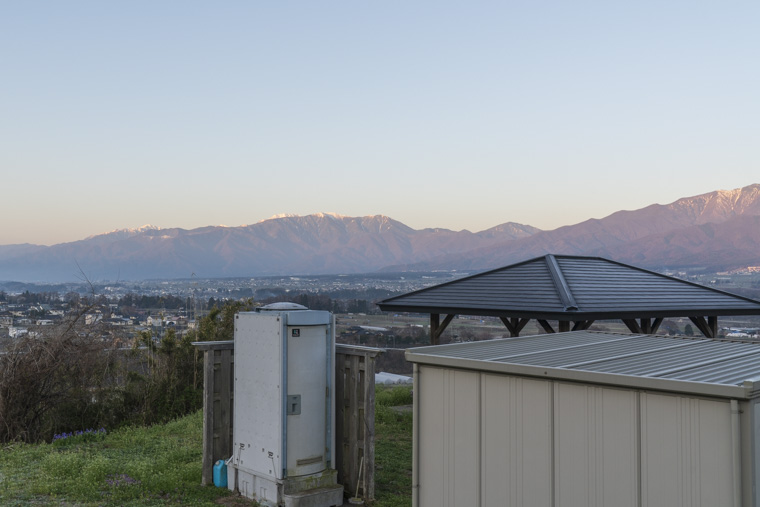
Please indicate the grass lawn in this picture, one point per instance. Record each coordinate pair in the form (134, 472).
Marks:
(393, 447)
(161, 465)
(132, 466)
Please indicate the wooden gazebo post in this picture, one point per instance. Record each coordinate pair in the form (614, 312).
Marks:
(437, 327)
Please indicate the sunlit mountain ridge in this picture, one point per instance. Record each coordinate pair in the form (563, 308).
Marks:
(715, 231)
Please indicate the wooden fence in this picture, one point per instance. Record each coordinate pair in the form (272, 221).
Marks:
(355, 418)
(218, 400)
(354, 406)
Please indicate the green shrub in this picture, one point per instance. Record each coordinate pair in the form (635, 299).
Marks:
(393, 396)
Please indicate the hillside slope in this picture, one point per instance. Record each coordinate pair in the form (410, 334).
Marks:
(715, 231)
(644, 237)
(314, 244)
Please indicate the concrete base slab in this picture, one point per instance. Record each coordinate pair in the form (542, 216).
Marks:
(321, 497)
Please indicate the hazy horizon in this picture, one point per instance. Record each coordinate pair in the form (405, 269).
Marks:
(461, 116)
(282, 215)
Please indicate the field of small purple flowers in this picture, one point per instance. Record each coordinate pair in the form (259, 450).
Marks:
(85, 434)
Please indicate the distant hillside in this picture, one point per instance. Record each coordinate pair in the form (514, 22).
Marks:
(715, 231)
(314, 244)
(11, 251)
(732, 244)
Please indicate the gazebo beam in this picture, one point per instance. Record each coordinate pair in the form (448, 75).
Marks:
(582, 325)
(514, 325)
(709, 327)
(645, 325)
(546, 326)
(437, 327)
(633, 326)
(712, 323)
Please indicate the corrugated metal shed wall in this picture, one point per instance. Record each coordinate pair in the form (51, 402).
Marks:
(516, 421)
(595, 440)
(451, 438)
(498, 440)
(686, 451)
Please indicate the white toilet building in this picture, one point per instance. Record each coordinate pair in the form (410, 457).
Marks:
(283, 438)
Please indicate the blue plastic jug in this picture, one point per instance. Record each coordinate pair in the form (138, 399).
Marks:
(220, 474)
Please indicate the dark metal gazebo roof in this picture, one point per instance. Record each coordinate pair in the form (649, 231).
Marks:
(574, 289)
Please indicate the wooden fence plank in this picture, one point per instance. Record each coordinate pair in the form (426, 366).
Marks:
(353, 441)
(208, 417)
(341, 457)
(369, 420)
(224, 450)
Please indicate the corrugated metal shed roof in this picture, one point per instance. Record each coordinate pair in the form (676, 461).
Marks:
(697, 365)
(572, 288)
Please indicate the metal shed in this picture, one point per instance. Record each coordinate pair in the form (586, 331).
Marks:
(585, 419)
(574, 291)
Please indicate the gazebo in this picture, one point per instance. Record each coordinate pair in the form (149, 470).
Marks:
(573, 291)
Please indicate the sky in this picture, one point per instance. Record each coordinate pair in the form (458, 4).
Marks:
(461, 115)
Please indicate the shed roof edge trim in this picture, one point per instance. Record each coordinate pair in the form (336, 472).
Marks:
(609, 379)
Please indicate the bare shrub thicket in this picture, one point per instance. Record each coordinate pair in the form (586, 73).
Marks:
(50, 379)
(73, 376)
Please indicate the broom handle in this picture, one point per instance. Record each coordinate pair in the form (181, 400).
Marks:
(359, 479)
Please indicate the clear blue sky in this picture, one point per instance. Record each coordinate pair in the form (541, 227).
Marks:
(461, 115)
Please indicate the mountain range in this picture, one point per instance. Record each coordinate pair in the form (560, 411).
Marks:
(712, 232)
